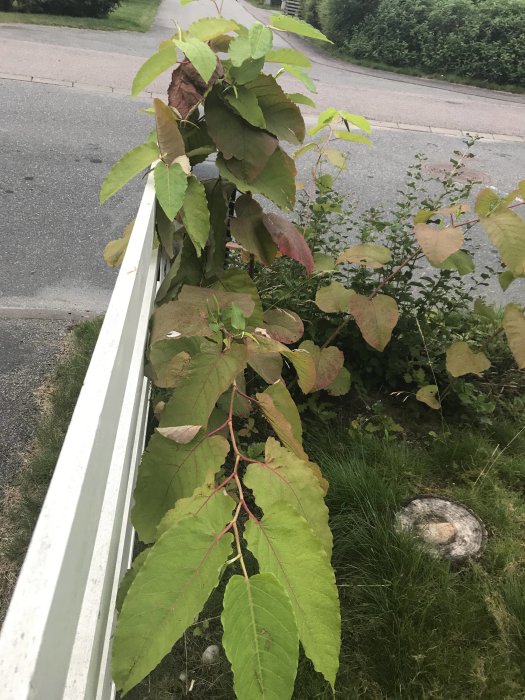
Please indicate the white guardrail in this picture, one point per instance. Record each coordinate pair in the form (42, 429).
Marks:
(55, 642)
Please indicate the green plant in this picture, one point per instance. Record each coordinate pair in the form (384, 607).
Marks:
(198, 493)
(73, 8)
(431, 34)
(339, 19)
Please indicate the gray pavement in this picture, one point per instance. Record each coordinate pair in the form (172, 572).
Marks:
(66, 117)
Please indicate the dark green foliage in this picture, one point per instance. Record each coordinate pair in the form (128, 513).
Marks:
(339, 19)
(479, 39)
(72, 8)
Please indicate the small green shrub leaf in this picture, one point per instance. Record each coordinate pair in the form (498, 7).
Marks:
(290, 56)
(169, 591)
(462, 360)
(132, 163)
(169, 472)
(341, 384)
(264, 650)
(285, 477)
(284, 326)
(195, 214)
(153, 67)
(438, 244)
(514, 326)
(334, 298)
(506, 230)
(295, 25)
(170, 186)
(429, 395)
(200, 55)
(375, 317)
(285, 545)
(367, 254)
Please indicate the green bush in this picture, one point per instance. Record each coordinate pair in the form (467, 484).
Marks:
(339, 19)
(71, 8)
(479, 39)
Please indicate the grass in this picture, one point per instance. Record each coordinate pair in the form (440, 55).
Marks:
(413, 626)
(131, 16)
(23, 499)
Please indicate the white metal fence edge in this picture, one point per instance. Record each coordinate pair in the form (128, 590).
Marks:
(56, 638)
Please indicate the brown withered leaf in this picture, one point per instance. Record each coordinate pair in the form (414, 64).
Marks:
(187, 89)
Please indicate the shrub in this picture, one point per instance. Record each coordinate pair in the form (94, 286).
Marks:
(477, 39)
(339, 18)
(71, 8)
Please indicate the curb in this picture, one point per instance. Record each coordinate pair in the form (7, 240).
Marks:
(309, 118)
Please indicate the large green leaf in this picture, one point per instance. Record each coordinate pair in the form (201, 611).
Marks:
(304, 364)
(276, 181)
(239, 50)
(282, 414)
(302, 76)
(514, 326)
(185, 269)
(169, 471)
(285, 477)
(218, 194)
(215, 298)
(285, 546)
(375, 317)
(236, 139)
(300, 99)
(170, 590)
(132, 163)
(153, 67)
(171, 143)
(211, 28)
(248, 70)
(460, 261)
(267, 363)
(170, 186)
(290, 56)
(334, 298)
(367, 254)
(261, 40)
(286, 23)
(244, 102)
(282, 116)
(487, 201)
(209, 375)
(248, 229)
(506, 230)
(462, 360)
(260, 638)
(195, 214)
(200, 55)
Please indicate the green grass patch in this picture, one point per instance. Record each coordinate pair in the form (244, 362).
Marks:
(131, 16)
(23, 499)
(413, 626)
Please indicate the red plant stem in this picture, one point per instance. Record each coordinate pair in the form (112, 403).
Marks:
(216, 430)
(475, 221)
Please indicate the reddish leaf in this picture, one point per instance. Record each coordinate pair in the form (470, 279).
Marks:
(284, 326)
(248, 230)
(289, 240)
(328, 363)
(187, 89)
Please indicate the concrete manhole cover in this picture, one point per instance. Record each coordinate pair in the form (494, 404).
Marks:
(449, 529)
(463, 174)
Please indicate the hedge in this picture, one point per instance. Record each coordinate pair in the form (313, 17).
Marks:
(479, 39)
(71, 8)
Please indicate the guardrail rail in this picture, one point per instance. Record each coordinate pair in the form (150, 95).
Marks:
(55, 642)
